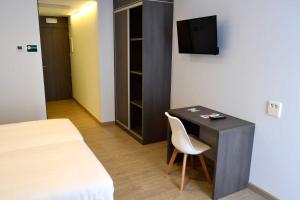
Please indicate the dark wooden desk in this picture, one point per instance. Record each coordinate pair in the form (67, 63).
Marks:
(231, 142)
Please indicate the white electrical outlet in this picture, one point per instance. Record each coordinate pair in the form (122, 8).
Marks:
(274, 108)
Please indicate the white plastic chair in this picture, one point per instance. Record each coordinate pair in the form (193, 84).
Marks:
(187, 145)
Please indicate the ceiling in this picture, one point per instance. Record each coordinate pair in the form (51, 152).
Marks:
(61, 7)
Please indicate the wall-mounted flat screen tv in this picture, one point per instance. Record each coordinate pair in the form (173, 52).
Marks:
(198, 36)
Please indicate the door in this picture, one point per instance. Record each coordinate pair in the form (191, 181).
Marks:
(121, 66)
(56, 59)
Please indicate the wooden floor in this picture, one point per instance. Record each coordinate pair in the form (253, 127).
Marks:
(137, 170)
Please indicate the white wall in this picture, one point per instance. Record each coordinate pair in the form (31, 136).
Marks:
(259, 60)
(21, 77)
(85, 59)
(93, 59)
(106, 44)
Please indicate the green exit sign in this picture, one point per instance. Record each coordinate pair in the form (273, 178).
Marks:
(31, 48)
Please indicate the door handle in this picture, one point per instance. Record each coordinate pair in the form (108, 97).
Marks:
(44, 66)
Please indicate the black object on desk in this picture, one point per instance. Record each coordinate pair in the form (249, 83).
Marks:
(217, 117)
(231, 141)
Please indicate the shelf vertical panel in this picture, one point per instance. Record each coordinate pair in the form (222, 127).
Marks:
(121, 66)
(157, 58)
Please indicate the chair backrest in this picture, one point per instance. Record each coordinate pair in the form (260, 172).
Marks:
(180, 138)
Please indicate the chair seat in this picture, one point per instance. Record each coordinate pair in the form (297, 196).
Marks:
(199, 147)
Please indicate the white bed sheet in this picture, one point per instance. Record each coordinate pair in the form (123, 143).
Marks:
(37, 133)
(62, 168)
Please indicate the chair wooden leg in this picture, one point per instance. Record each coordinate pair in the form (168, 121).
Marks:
(183, 171)
(201, 157)
(175, 152)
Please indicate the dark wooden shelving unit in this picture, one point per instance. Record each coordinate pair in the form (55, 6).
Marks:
(143, 53)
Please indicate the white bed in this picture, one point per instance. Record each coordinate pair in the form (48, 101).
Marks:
(48, 160)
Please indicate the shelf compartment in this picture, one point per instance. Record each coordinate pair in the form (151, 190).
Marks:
(137, 132)
(136, 87)
(136, 55)
(136, 120)
(136, 22)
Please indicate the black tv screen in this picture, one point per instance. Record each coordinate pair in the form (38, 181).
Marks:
(198, 36)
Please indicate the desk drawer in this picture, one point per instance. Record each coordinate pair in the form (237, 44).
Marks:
(209, 137)
(211, 154)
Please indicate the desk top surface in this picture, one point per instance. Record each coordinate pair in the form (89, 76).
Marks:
(219, 125)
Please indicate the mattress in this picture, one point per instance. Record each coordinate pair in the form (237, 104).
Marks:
(48, 160)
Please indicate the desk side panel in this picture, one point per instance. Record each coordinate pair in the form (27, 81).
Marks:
(233, 160)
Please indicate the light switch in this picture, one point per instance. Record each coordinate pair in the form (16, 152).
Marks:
(274, 108)
(20, 48)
